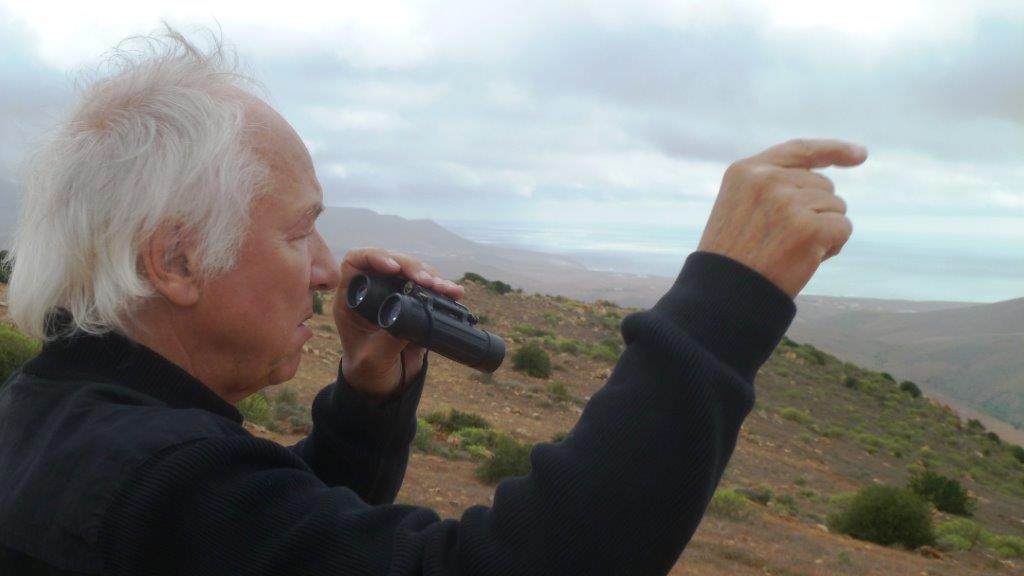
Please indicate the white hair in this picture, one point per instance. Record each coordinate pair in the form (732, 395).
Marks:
(158, 141)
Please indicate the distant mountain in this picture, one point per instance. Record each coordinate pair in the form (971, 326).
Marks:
(971, 354)
(813, 308)
(453, 255)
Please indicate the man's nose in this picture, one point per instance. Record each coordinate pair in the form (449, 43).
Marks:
(325, 274)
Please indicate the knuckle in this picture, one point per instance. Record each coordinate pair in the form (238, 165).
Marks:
(738, 170)
(841, 203)
(847, 226)
(355, 253)
(763, 181)
(827, 183)
(800, 146)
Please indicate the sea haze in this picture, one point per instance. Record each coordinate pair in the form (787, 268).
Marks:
(869, 267)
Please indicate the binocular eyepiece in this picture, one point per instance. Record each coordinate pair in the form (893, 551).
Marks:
(424, 317)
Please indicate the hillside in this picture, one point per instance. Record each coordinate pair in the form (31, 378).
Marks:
(810, 439)
(969, 354)
(821, 429)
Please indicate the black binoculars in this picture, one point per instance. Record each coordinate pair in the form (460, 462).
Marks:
(424, 317)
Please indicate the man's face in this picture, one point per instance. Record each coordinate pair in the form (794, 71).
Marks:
(253, 316)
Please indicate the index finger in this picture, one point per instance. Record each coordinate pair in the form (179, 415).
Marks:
(369, 259)
(801, 153)
(361, 260)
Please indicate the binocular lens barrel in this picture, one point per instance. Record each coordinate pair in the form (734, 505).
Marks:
(413, 313)
(363, 286)
(409, 319)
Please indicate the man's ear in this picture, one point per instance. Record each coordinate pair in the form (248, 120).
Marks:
(170, 262)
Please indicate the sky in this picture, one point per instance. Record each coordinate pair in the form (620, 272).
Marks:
(612, 113)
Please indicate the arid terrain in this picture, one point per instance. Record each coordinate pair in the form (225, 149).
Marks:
(843, 439)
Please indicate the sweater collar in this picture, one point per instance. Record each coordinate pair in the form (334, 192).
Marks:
(117, 359)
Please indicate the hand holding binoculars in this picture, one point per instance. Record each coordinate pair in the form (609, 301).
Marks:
(414, 313)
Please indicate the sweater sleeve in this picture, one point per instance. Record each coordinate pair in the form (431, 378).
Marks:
(622, 494)
(360, 445)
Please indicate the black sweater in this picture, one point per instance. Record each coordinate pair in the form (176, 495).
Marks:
(115, 461)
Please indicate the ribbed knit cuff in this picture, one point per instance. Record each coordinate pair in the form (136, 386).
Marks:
(729, 309)
(357, 410)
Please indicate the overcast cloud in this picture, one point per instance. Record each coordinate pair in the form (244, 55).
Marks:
(610, 111)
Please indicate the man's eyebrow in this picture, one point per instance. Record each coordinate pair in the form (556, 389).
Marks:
(313, 212)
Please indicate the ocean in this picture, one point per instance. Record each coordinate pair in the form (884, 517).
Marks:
(869, 267)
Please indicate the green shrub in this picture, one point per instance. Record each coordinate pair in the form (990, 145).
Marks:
(558, 437)
(1018, 453)
(256, 408)
(994, 437)
(761, 495)
(888, 377)
(798, 416)
(318, 303)
(286, 396)
(608, 349)
(6, 264)
(494, 286)
(289, 416)
(559, 392)
(608, 320)
(567, 345)
(477, 453)
(814, 355)
(834, 432)
(946, 493)
(532, 360)
(851, 383)
(482, 437)
(499, 287)
(15, 350)
(786, 504)
(953, 543)
(424, 440)
(975, 425)
(509, 458)
(1008, 546)
(910, 388)
(449, 421)
(886, 515)
(730, 504)
(961, 534)
(527, 330)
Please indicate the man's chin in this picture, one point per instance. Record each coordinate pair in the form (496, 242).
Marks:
(287, 368)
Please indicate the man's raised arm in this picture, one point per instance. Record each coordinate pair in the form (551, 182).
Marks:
(622, 494)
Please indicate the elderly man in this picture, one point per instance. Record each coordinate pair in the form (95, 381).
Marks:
(167, 254)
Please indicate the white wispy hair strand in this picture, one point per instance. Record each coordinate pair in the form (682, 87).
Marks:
(156, 141)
